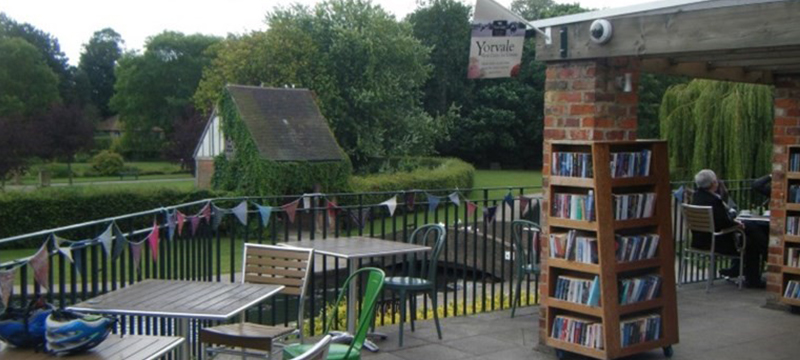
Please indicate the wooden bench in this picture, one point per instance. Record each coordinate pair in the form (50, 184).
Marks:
(130, 347)
(131, 173)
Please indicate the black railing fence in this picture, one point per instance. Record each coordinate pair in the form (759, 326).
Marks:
(475, 272)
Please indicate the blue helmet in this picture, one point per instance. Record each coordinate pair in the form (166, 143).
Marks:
(25, 328)
(70, 332)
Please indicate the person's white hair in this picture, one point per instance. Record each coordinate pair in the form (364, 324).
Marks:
(705, 178)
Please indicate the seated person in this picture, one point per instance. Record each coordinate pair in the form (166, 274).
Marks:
(757, 239)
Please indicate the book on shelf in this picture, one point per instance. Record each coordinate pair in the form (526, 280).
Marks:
(640, 329)
(574, 206)
(578, 290)
(794, 193)
(792, 289)
(572, 164)
(578, 331)
(793, 225)
(634, 206)
(636, 289)
(794, 162)
(793, 257)
(630, 164)
(636, 247)
(574, 247)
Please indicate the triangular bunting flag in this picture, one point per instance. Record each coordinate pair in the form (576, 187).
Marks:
(433, 202)
(217, 214)
(205, 212)
(107, 239)
(77, 259)
(509, 199)
(524, 203)
(679, 193)
(471, 207)
(240, 211)
(7, 284)
(41, 266)
(170, 223)
(332, 209)
(489, 213)
(119, 245)
(152, 240)
(391, 204)
(136, 252)
(266, 212)
(360, 218)
(195, 222)
(181, 218)
(454, 198)
(64, 250)
(291, 209)
(410, 199)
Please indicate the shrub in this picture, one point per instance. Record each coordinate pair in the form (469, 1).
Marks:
(108, 163)
(24, 213)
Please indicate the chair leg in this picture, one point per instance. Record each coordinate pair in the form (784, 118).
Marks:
(402, 314)
(681, 270)
(711, 272)
(517, 295)
(741, 271)
(434, 303)
(412, 302)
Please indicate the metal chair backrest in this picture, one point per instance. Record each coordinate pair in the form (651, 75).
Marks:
(433, 235)
(318, 352)
(373, 287)
(279, 265)
(530, 242)
(698, 218)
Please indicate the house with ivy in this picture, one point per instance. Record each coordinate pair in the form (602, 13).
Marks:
(269, 141)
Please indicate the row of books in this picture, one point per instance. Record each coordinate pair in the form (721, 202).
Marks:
(630, 164)
(578, 331)
(574, 164)
(638, 289)
(574, 206)
(634, 206)
(636, 247)
(793, 257)
(573, 247)
(793, 225)
(794, 193)
(792, 289)
(640, 329)
(794, 162)
(578, 290)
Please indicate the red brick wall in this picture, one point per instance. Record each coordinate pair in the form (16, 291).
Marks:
(583, 102)
(205, 171)
(786, 131)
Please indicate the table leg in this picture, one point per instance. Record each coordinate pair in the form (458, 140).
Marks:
(351, 299)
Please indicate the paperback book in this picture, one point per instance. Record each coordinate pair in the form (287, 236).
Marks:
(634, 206)
(640, 329)
(572, 164)
(578, 331)
(636, 247)
(574, 247)
(574, 206)
(632, 290)
(630, 164)
(578, 290)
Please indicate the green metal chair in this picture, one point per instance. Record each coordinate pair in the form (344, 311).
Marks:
(526, 261)
(410, 285)
(373, 286)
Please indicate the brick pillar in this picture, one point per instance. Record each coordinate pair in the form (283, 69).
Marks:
(584, 102)
(785, 131)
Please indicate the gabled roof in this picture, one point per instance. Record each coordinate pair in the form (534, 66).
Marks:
(285, 124)
(109, 124)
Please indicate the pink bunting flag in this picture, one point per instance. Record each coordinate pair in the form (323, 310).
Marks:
(195, 221)
(291, 209)
(41, 266)
(524, 203)
(136, 252)
(332, 210)
(181, 220)
(205, 212)
(152, 240)
(7, 284)
(471, 207)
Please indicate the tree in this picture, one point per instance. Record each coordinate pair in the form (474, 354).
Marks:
(181, 144)
(97, 62)
(543, 9)
(15, 145)
(61, 133)
(27, 85)
(152, 90)
(651, 92)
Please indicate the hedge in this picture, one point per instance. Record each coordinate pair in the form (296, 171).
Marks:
(23, 213)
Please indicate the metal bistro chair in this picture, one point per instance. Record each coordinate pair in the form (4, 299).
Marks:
(264, 264)
(410, 285)
(701, 219)
(373, 287)
(318, 352)
(526, 261)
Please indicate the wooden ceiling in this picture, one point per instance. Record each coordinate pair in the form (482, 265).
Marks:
(750, 42)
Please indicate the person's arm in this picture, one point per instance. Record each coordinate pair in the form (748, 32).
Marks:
(722, 219)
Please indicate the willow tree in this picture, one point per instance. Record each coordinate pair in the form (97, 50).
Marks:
(723, 126)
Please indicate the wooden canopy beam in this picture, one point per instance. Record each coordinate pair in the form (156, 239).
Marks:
(733, 28)
(703, 70)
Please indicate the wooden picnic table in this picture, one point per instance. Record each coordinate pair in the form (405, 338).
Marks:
(131, 347)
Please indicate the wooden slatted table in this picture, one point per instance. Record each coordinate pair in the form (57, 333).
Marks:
(353, 248)
(130, 347)
(179, 299)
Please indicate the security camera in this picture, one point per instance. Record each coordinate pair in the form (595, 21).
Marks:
(600, 31)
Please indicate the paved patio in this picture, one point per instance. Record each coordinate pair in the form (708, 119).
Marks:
(723, 324)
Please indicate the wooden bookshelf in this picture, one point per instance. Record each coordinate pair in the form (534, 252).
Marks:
(790, 241)
(605, 227)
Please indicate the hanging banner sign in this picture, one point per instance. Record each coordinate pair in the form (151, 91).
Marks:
(495, 49)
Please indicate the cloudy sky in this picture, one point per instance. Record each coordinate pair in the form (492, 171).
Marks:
(73, 22)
